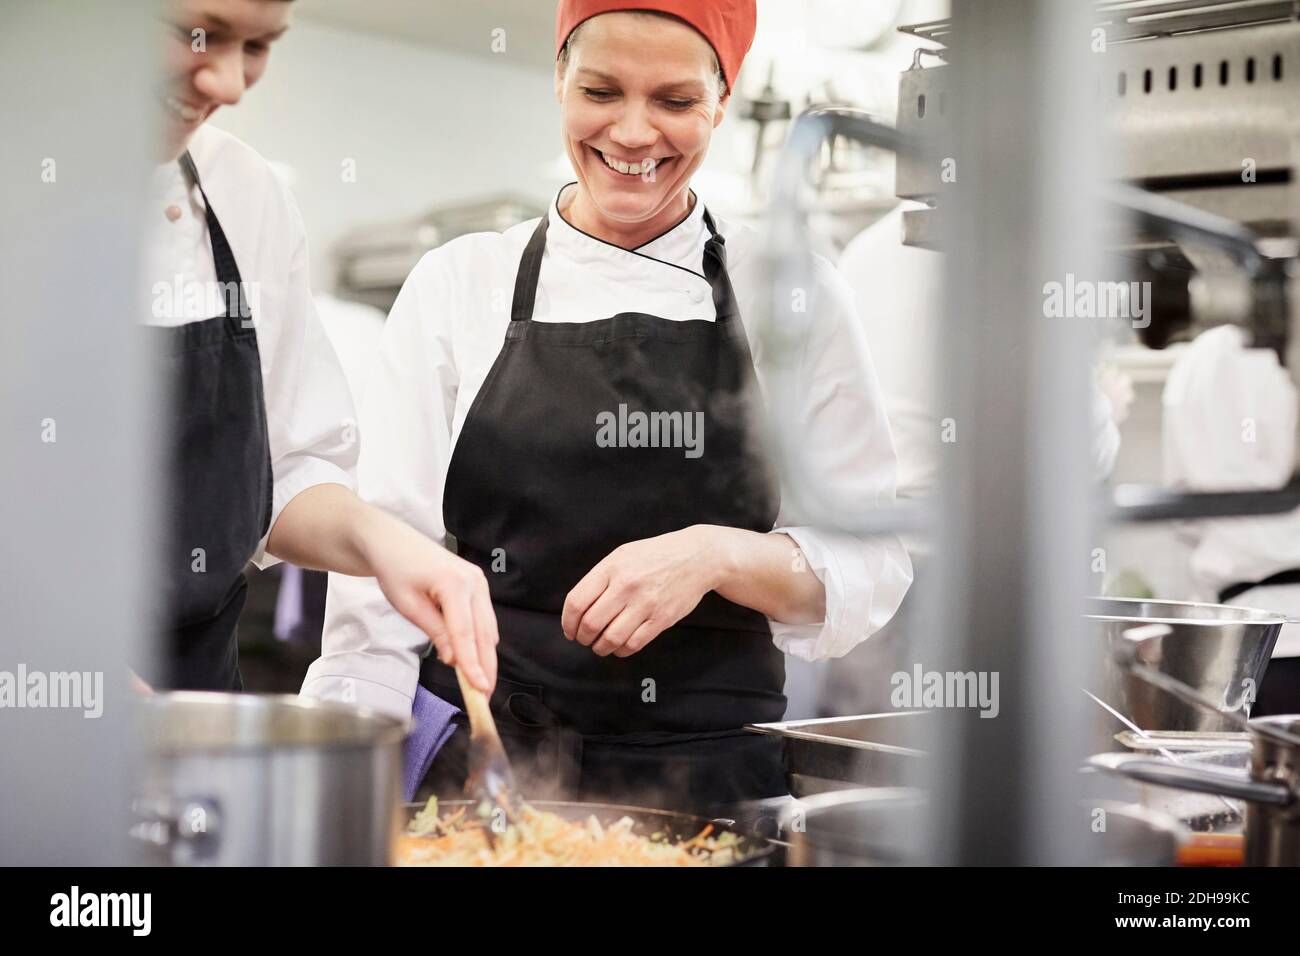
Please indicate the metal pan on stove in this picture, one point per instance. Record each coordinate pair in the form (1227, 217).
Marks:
(752, 850)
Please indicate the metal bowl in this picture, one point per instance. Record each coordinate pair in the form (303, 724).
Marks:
(1217, 650)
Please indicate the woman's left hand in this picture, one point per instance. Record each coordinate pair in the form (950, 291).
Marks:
(641, 589)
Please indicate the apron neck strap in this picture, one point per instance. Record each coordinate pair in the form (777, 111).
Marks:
(530, 270)
(709, 225)
(715, 270)
(222, 256)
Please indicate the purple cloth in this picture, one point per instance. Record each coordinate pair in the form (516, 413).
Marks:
(431, 727)
(288, 602)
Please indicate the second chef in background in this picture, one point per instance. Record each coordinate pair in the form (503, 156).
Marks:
(647, 583)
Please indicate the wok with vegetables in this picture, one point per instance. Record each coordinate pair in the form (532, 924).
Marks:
(554, 833)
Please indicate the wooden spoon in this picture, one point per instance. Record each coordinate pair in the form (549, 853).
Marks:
(491, 782)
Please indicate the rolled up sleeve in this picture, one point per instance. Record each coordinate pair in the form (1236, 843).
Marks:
(370, 654)
(848, 445)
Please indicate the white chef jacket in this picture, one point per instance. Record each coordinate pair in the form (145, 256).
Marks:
(1229, 424)
(311, 424)
(443, 335)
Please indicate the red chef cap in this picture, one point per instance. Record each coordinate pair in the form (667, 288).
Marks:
(728, 25)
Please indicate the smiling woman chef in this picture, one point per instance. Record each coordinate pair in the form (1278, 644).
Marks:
(534, 402)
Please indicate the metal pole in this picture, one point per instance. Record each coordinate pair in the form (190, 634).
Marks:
(1014, 532)
(74, 420)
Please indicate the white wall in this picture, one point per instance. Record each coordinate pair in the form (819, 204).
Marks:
(424, 127)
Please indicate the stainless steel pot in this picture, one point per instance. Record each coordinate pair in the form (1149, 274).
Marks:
(882, 826)
(1199, 812)
(868, 826)
(847, 753)
(253, 780)
(1271, 792)
(1218, 651)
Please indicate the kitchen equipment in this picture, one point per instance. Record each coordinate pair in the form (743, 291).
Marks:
(1135, 731)
(871, 826)
(838, 753)
(1137, 836)
(267, 780)
(1218, 651)
(883, 827)
(1272, 791)
(374, 260)
(1180, 742)
(753, 850)
(490, 783)
(1198, 812)
(1198, 98)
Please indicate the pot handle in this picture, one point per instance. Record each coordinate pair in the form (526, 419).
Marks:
(164, 822)
(1195, 779)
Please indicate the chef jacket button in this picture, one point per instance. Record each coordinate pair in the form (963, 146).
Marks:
(172, 213)
(697, 295)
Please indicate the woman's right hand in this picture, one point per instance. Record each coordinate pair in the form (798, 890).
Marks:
(440, 593)
(330, 528)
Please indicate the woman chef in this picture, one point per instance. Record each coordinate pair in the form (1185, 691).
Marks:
(261, 443)
(569, 402)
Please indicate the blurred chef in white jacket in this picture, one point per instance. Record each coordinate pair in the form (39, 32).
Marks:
(647, 592)
(897, 291)
(1230, 425)
(261, 442)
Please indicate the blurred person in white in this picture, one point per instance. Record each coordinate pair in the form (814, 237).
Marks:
(260, 436)
(648, 593)
(897, 290)
(1229, 425)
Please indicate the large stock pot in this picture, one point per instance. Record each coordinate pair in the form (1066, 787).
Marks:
(267, 780)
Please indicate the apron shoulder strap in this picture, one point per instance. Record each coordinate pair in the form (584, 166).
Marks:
(530, 270)
(715, 270)
(191, 170)
(222, 255)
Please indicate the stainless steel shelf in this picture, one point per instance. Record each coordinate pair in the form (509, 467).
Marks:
(1126, 20)
(1141, 503)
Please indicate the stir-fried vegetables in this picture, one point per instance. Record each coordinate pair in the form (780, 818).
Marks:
(547, 839)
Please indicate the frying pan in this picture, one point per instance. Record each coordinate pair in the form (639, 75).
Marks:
(751, 850)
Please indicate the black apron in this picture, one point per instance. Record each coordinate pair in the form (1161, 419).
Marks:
(536, 502)
(219, 483)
